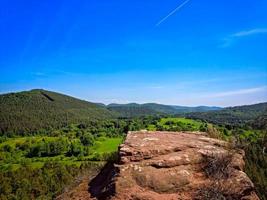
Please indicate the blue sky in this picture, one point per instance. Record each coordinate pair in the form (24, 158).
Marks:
(184, 52)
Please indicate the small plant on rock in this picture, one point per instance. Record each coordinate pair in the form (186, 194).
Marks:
(217, 166)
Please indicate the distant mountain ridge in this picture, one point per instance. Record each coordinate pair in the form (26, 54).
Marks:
(137, 110)
(253, 114)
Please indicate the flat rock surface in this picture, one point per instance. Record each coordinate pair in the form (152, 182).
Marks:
(174, 166)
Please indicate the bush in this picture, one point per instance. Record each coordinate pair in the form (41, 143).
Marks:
(217, 166)
(107, 156)
(75, 149)
(48, 148)
(213, 132)
(87, 139)
(7, 148)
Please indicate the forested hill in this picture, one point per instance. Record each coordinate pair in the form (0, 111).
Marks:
(254, 115)
(40, 109)
(137, 110)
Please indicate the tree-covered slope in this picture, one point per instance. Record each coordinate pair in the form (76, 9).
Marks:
(238, 115)
(136, 110)
(187, 109)
(132, 110)
(39, 109)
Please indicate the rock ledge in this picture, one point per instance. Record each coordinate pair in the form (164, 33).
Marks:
(173, 166)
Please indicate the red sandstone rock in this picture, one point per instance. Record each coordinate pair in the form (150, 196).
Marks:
(171, 166)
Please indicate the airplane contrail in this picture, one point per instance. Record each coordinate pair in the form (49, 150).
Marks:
(172, 12)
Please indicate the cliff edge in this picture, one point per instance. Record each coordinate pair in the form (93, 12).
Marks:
(174, 166)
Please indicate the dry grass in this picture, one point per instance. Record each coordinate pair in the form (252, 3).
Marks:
(209, 193)
(213, 132)
(213, 192)
(217, 166)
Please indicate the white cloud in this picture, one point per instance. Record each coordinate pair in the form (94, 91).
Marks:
(250, 32)
(228, 41)
(237, 92)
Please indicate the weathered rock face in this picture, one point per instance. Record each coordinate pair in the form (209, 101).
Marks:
(171, 166)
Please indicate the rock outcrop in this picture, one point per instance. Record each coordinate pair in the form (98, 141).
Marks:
(173, 166)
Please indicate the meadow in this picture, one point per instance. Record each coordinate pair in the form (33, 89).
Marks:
(177, 124)
(14, 151)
